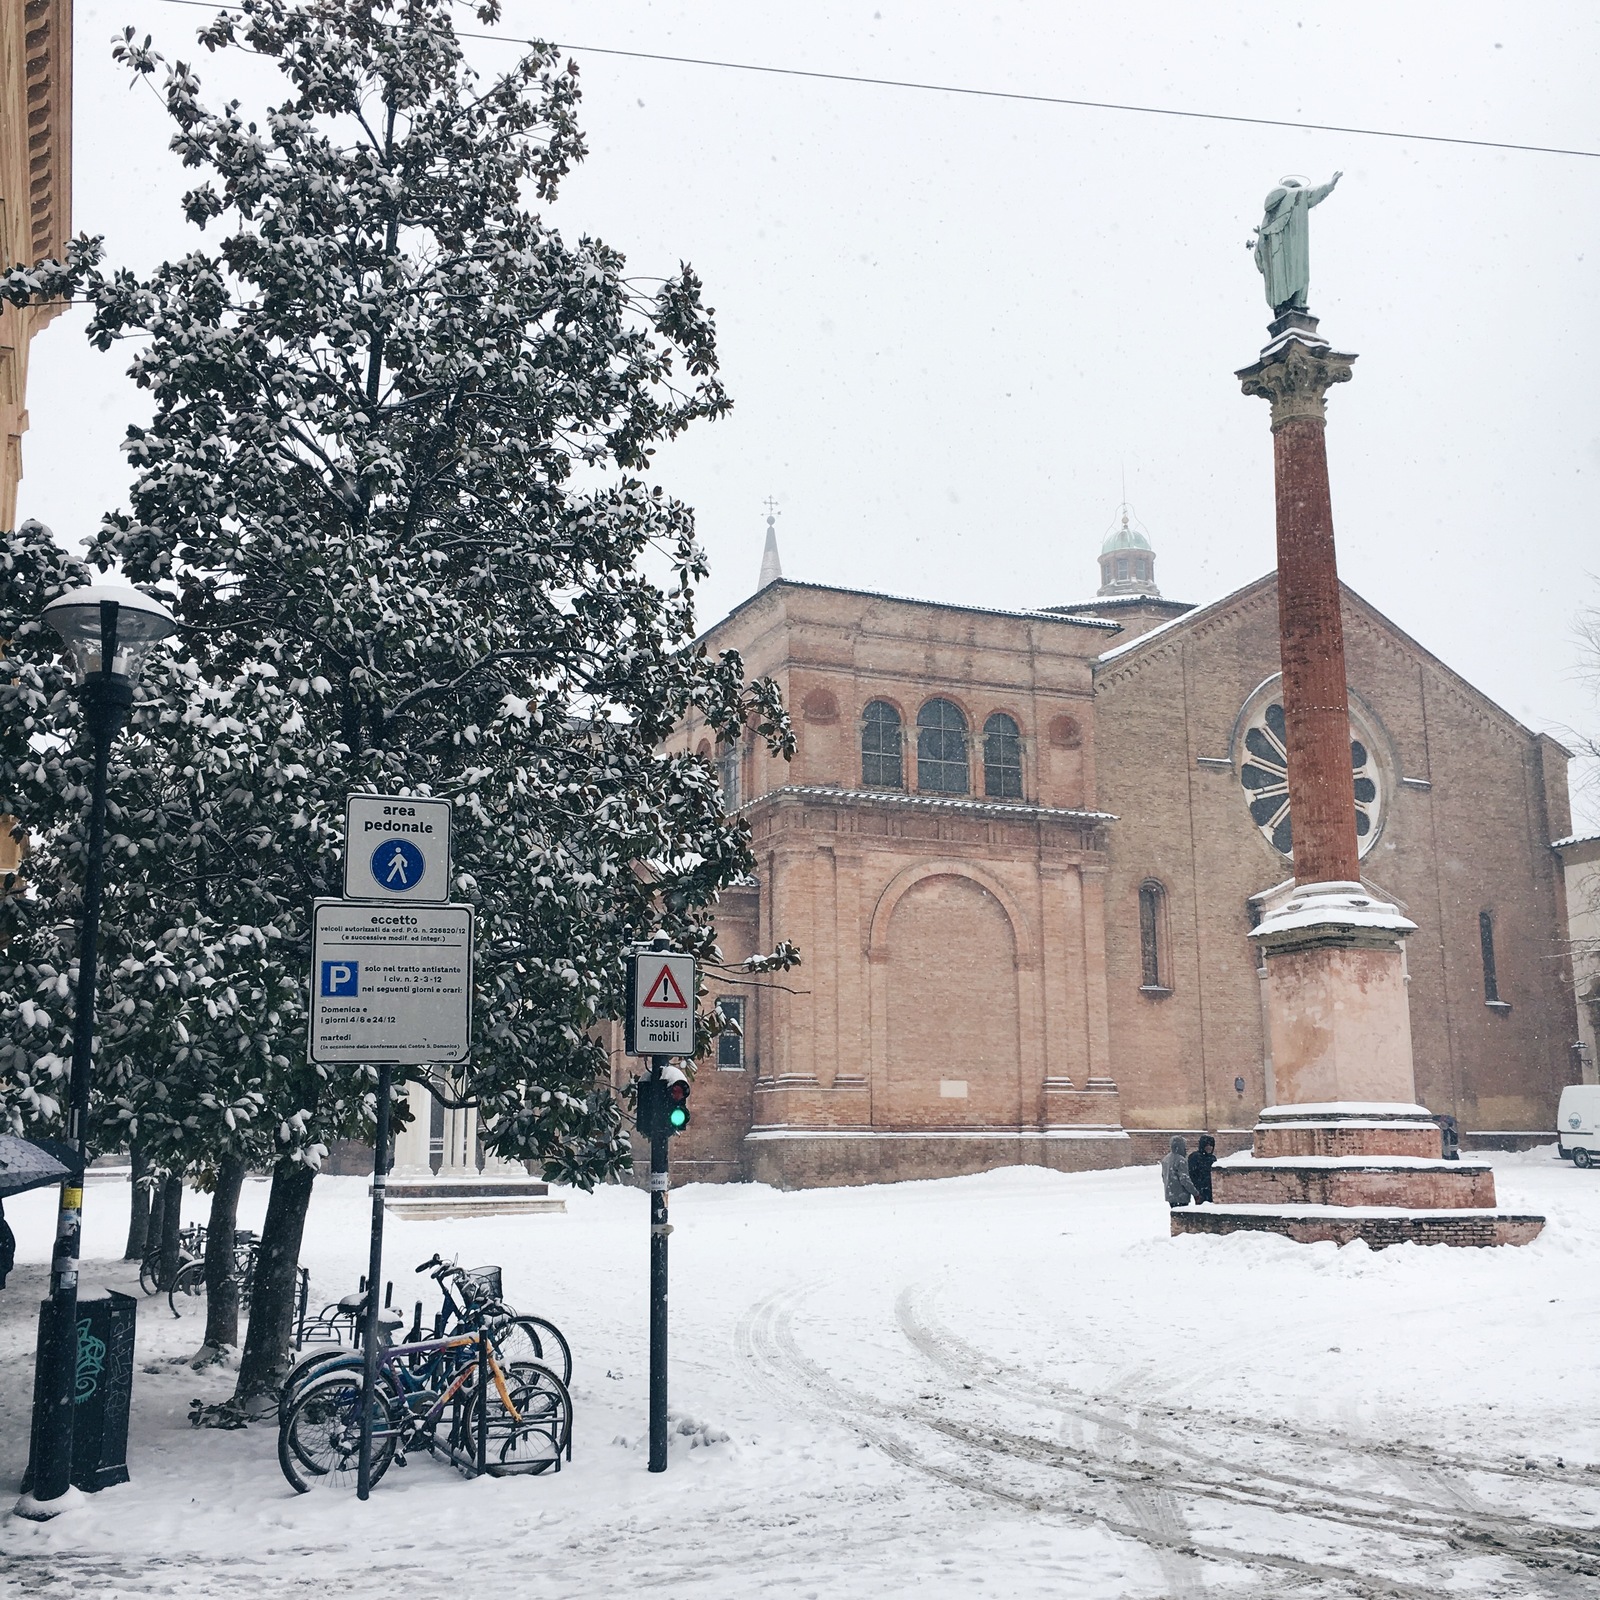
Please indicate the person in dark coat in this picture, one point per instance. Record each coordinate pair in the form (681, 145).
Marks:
(1175, 1174)
(1200, 1165)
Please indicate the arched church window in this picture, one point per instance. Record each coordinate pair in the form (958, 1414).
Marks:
(1122, 567)
(941, 749)
(880, 747)
(1002, 758)
(729, 760)
(1154, 976)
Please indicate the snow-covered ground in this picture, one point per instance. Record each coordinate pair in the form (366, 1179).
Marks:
(1013, 1385)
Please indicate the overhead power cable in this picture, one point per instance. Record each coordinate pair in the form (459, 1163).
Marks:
(1007, 94)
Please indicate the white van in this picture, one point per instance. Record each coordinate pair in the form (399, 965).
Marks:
(1578, 1124)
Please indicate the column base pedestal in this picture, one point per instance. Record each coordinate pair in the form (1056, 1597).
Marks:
(1377, 1226)
(468, 1197)
(1354, 1170)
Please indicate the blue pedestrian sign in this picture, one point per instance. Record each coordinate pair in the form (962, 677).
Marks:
(397, 847)
(397, 866)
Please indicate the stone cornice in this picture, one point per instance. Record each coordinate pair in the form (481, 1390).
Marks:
(1004, 810)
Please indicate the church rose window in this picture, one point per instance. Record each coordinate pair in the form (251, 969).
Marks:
(1264, 772)
(880, 747)
(941, 749)
(1002, 758)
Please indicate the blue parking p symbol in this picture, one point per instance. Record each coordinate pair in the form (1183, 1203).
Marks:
(341, 978)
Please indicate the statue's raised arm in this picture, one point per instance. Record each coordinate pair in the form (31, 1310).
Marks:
(1283, 244)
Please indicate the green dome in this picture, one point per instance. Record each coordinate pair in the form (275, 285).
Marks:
(1124, 538)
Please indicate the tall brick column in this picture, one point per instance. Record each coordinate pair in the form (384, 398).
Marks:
(1346, 1153)
(1295, 372)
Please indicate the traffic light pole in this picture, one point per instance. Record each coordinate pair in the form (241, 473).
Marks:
(660, 1133)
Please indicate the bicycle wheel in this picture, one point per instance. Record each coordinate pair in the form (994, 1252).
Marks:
(538, 1435)
(533, 1339)
(190, 1285)
(150, 1274)
(314, 1364)
(319, 1441)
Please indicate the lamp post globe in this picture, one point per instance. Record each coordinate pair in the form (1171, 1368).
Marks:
(110, 630)
(97, 614)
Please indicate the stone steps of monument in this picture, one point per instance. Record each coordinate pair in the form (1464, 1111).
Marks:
(1378, 1226)
(1412, 1183)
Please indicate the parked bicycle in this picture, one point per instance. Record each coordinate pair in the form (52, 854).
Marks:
(469, 1297)
(191, 1248)
(476, 1292)
(452, 1396)
(190, 1282)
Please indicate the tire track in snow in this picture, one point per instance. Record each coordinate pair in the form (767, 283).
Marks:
(1464, 1521)
(767, 1340)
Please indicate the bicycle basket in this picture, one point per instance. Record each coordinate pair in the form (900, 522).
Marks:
(479, 1285)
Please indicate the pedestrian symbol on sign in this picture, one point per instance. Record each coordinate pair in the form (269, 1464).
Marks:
(397, 865)
(664, 994)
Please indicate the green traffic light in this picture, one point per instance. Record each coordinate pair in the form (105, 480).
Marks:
(678, 1117)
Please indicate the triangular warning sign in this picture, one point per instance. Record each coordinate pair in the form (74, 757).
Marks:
(664, 993)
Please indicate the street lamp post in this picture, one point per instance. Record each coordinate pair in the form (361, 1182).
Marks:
(109, 630)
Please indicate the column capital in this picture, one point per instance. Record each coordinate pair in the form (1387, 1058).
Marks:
(1296, 371)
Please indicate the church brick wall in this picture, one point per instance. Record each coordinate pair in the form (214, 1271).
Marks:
(1467, 833)
(973, 982)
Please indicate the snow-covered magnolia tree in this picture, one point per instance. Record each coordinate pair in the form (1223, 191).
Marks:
(393, 485)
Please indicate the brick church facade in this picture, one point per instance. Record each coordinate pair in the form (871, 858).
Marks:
(1021, 852)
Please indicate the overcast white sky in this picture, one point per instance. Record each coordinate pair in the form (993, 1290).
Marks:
(950, 325)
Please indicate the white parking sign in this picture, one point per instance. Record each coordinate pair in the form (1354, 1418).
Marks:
(391, 984)
(396, 848)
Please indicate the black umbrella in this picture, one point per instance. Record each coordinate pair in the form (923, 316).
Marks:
(32, 1163)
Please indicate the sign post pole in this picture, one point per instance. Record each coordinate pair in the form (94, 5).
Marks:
(660, 1177)
(659, 1025)
(369, 1313)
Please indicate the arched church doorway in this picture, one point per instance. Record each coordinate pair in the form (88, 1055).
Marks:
(953, 1047)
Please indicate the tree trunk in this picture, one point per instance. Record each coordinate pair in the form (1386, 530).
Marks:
(139, 1213)
(171, 1226)
(222, 1286)
(158, 1216)
(272, 1303)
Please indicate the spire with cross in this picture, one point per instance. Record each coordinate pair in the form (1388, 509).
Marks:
(771, 566)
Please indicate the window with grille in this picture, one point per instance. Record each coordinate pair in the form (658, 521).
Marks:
(728, 762)
(941, 749)
(730, 1042)
(1154, 977)
(1002, 758)
(880, 747)
(1491, 979)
